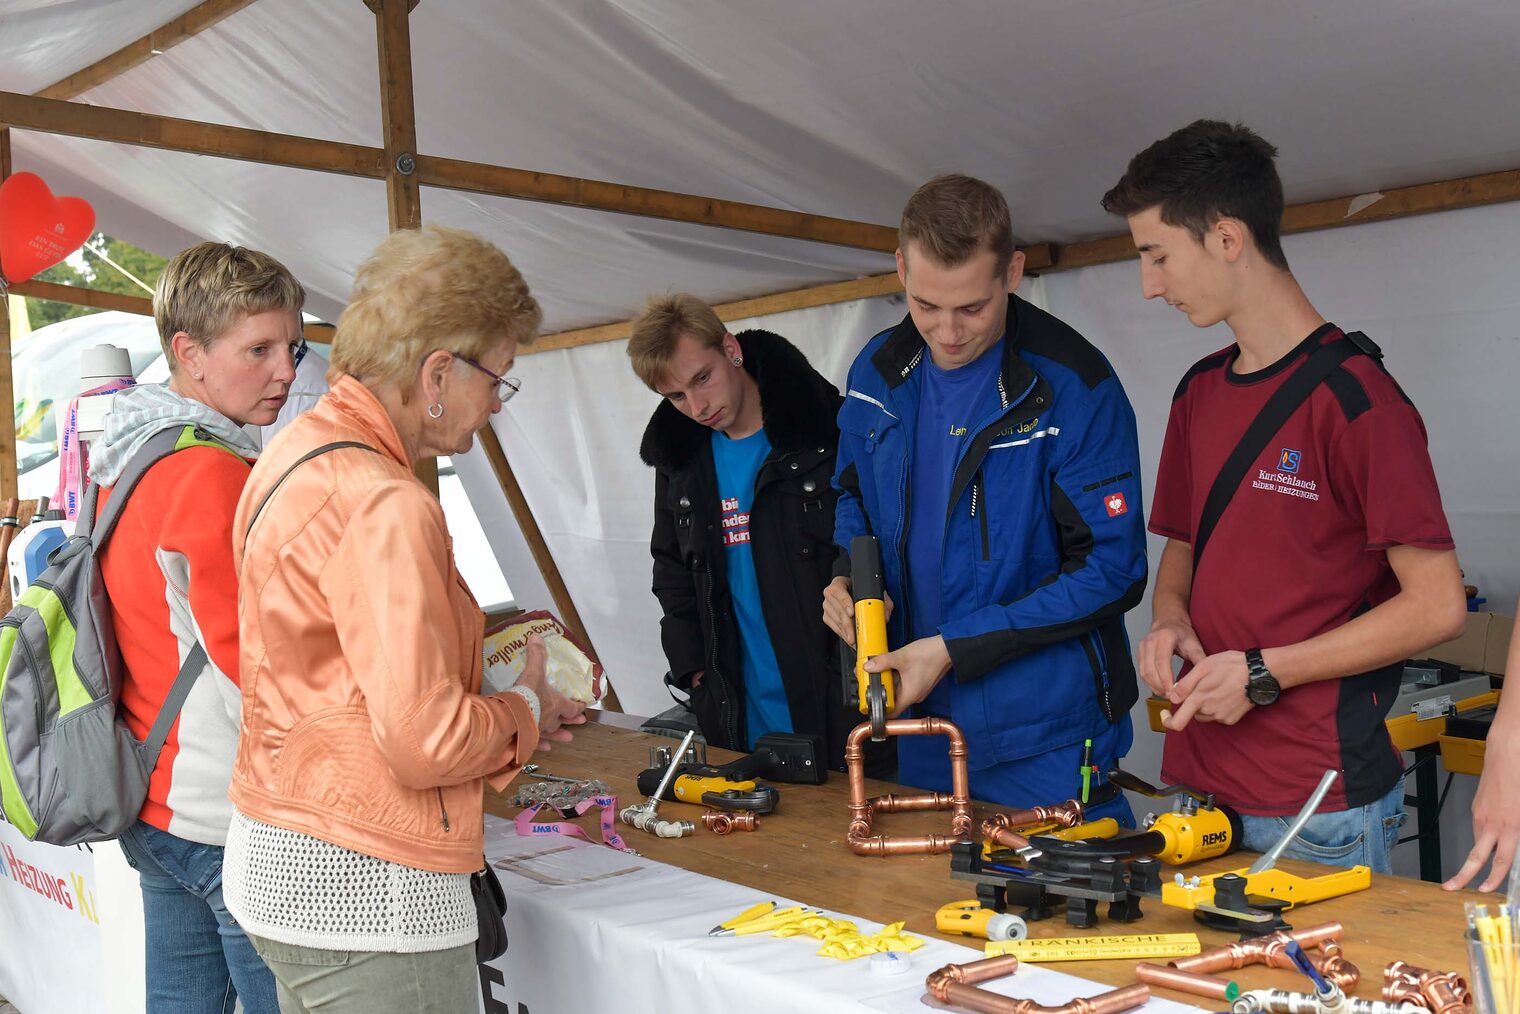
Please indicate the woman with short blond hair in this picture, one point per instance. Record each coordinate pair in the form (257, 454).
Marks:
(366, 741)
(229, 320)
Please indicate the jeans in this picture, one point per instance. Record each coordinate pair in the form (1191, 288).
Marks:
(1363, 836)
(198, 959)
(314, 979)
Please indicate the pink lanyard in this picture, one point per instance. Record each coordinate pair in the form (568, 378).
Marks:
(73, 459)
(526, 825)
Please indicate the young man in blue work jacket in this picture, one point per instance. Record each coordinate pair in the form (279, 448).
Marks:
(993, 452)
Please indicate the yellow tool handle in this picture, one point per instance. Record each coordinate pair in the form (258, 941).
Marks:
(689, 788)
(870, 641)
(1100, 948)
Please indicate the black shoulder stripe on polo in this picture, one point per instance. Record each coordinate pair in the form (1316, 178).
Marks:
(1065, 346)
(1349, 392)
(1396, 385)
(1213, 362)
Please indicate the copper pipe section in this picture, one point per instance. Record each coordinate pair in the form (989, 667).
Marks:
(722, 821)
(1441, 992)
(1011, 830)
(863, 810)
(1210, 986)
(955, 985)
(1272, 950)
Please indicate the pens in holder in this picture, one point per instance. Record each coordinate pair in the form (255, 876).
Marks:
(1492, 948)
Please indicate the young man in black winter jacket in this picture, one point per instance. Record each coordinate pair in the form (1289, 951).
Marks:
(743, 449)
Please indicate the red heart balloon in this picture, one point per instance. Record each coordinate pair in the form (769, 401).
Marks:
(37, 230)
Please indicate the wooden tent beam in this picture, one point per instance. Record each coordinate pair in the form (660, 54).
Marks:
(134, 54)
(551, 188)
(398, 113)
(123, 126)
(99, 299)
(398, 119)
(9, 482)
(1356, 209)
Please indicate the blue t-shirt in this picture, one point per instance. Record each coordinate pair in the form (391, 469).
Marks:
(950, 402)
(738, 463)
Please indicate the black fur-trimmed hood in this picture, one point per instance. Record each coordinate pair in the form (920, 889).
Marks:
(798, 406)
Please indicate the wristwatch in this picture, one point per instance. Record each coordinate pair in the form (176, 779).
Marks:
(1262, 687)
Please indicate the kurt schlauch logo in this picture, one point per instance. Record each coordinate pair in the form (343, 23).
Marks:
(1288, 460)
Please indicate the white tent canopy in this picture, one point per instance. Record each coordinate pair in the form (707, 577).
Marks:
(839, 109)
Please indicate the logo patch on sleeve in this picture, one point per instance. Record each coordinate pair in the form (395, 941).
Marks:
(1115, 504)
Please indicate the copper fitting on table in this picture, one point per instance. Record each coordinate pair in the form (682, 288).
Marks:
(863, 810)
(1004, 828)
(1272, 950)
(1210, 986)
(955, 985)
(724, 821)
(1441, 992)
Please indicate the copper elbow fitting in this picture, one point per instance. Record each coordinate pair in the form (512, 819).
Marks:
(1271, 949)
(863, 810)
(1442, 992)
(724, 821)
(955, 985)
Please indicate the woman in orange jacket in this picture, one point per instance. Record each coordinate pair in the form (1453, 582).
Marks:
(365, 739)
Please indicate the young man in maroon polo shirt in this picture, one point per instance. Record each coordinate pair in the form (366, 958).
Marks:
(1332, 562)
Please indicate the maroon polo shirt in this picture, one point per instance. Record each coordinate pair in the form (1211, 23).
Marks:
(1300, 550)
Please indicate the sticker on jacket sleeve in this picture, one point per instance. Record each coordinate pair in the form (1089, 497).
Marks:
(1115, 503)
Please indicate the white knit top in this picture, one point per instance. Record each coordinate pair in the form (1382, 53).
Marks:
(287, 886)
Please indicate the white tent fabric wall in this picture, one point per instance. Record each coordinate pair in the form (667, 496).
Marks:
(573, 439)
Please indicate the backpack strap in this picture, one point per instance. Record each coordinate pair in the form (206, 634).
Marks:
(303, 459)
(174, 701)
(1286, 400)
(89, 529)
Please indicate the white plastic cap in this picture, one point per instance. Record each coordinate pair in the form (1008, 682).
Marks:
(891, 963)
(102, 363)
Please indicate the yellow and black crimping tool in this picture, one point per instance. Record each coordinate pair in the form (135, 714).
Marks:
(784, 757)
(874, 694)
(1254, 898)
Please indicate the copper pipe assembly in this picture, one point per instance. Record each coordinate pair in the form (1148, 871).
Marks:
(1272, 950)
(863, 810)
(1210, 986)
(1005, 828)
(1440, 992)
(956, 985)
(725, 821)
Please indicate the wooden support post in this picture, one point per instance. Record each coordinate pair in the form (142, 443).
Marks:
(398, 117)
(8, 480)
(563, 604)
(398, 113)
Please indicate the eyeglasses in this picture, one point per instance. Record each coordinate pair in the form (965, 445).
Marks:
(505, 386)
(298, 352)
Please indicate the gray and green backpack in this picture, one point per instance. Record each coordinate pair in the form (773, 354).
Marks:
(70, 769)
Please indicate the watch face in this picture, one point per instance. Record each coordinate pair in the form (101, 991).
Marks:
(1263, 690)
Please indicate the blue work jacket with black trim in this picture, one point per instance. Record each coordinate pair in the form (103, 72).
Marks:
(1044, 538)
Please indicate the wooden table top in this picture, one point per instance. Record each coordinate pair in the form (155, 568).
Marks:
(799, 852)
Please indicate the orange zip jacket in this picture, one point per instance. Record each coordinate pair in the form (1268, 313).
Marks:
(168, 571)
(363, 723)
